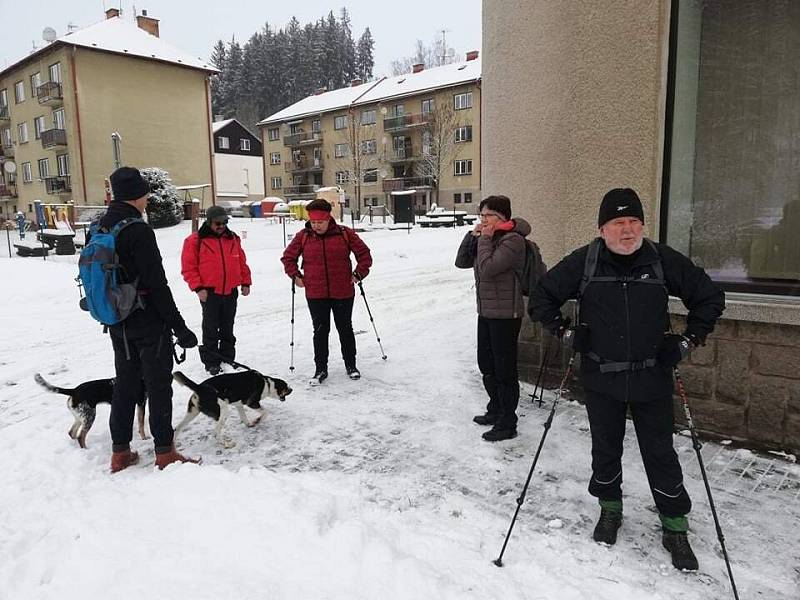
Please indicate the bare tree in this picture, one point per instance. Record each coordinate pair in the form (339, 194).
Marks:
(360, 143)
(435, 54)
(439, 145)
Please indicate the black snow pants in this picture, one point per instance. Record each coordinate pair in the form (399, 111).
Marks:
(218, 315)
(320, 309)
(497, 361)
(653, 421)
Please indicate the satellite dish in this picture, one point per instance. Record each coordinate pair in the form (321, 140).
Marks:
(49, 34)
(10, 166)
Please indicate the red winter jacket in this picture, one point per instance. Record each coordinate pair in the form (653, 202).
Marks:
(214, 263)
(327, 271)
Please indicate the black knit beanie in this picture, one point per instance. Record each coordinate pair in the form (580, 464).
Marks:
(499, 204)
(128, 184)
(620, 202)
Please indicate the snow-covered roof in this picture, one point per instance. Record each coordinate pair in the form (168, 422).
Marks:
(124, 37)
(217, 125)
(382, 89)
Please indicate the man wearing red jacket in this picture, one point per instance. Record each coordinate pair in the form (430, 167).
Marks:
(328, 278)
(214, 265)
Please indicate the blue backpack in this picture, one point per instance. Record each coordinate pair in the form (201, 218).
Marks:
(107, 300)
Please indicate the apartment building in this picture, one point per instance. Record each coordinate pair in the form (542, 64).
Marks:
(60, 105)
(417, 134)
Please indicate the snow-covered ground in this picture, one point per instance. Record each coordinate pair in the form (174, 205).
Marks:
(380, 488)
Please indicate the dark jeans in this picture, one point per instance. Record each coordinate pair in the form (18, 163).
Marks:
(149, 365)
(320, 310)
(653, 421)
(218, 315)
(497, 361)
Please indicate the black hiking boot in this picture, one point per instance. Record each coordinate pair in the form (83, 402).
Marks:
(605, 532)
(496, 434)
(319, 376)
(677, 543)
(353, 373)
(485, 419)
(213, 370)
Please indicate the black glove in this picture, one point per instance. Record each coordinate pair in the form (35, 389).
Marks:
(357, 276)
(674, 349)
(186, 339)
(576, 337)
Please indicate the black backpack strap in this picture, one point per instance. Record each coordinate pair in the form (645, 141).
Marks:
(590, 266)
(657, 266)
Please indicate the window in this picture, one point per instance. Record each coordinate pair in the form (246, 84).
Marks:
(224, 143)
(369, 147)
(462, 101)
(340, 122)
(370, 201)
(368, 117)
(62, 160)
(463, 167)
(244, 144)
(3, 98)
(274, 158)
(340, 150)
(295, 128)
(464, 134)
(316, 126)
(341, 177)
(58, 119)
(467, 197)
(38, 126)
(427, 149)
(27, 176)
(427, 106)
(370, 175)
(276, 183)
(44, 168)
(5, 134)
(457, 198)
(36, 81)
(398, 110)
(274, 134)
(22, 133)
(19, 92)
(732, 195)
(55, 73)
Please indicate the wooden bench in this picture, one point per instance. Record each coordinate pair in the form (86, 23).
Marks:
(31, 249)
(435, 221)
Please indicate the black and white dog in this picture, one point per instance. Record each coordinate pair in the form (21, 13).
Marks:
(214, 396)
(82, 402)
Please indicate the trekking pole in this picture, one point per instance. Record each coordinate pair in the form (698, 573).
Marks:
(499, 561)
(697, 446)
(369, 312)
(291, 343)
(539, 378)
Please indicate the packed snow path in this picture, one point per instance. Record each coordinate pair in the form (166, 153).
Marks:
(378, 488)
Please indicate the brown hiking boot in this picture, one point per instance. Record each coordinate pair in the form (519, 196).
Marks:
(172, 456)
(123, 459)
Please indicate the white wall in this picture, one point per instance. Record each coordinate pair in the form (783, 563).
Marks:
(232, 177)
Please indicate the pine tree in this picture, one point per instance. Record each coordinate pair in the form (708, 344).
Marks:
(219, 58)
(164, 206)
(364, 58)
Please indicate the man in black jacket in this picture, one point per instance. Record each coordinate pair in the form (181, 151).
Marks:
(143, 341)
(622, 283)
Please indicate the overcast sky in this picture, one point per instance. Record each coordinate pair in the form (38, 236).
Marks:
(195, 25)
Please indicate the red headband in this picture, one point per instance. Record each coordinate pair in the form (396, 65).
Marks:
(318, 215)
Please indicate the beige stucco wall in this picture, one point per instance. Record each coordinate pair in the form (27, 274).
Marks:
(573, 97)
(160, 111)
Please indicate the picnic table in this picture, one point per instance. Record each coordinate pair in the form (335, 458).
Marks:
(441, 216)
(31, 248)
(60, 239)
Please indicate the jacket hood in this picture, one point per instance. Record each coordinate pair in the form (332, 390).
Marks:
(522, 227)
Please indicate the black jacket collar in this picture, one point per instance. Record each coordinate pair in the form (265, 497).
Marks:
(205, 231)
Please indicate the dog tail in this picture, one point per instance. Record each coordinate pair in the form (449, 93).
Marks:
(185, 381)
(52, 388)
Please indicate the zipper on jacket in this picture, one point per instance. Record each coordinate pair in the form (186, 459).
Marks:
(325, 262)
(224, 270)
(628, 338)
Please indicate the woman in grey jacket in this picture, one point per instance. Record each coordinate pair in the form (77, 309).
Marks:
(495, 250)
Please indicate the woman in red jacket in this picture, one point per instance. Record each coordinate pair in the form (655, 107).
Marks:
(328, 278)
(214, 265)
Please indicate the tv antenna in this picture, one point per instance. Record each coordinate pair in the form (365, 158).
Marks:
(444, 45)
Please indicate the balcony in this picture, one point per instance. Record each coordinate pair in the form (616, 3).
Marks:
(303, 139)
(53, 138)
(304, 164)
(5, 114)
(403, 154)
(398, 184)
(49, 93)
(8, 190)
(299, 190)
(404, 121)
(58, 185)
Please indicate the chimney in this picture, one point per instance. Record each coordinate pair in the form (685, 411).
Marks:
(472, 55)
(355, 82)
(112, 12)
(319, 91)
(417, 67)
(149, 24)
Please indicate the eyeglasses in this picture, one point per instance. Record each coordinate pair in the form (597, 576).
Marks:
(487, 215)
(218, 223)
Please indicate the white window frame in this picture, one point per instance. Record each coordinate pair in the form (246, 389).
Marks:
(371, 201)
(59, 119)
(370, 173)
(462, 101)
(340, 151)
(22, 133)
(467, 197)
(224, 142)
(342, 177)
(462, 167)
(276, 183)
(369, 117)
(39, 125)
(463, 134)
(36, 81)
(19, 92)
(5, 136)
(340, 122)
(54, 72)
(27, 174)
(43, 173)
(62, 162)
(316, 126)
(274, 158)
(244, 144)
(274, 133)
(429, 102)
(369, 146)
(4, 97)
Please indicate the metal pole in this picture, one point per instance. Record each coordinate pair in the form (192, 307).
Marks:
(8, 235)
